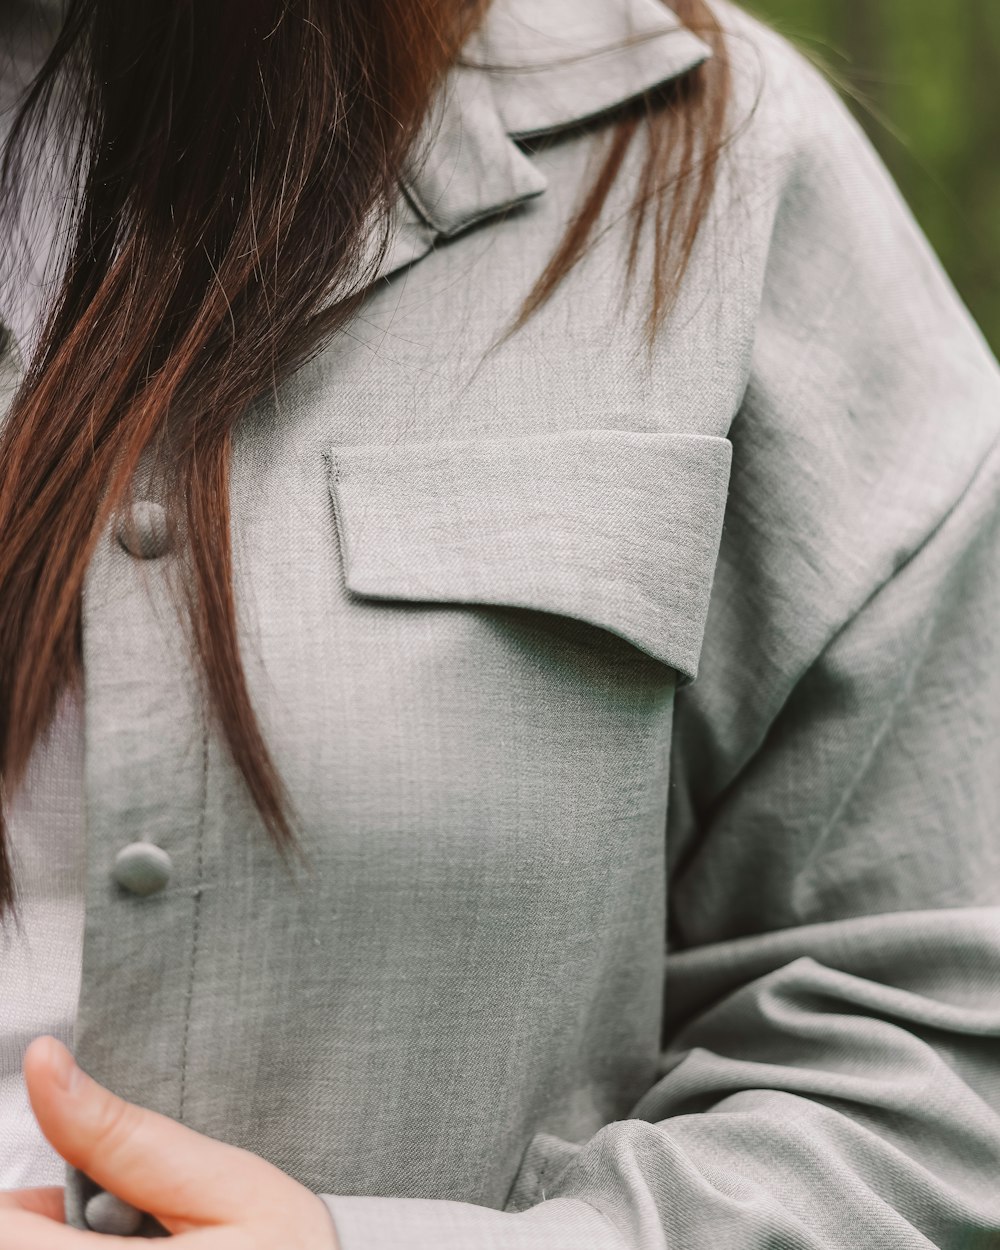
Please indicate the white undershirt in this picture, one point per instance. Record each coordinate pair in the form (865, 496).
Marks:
(40, 965)
(40, 962)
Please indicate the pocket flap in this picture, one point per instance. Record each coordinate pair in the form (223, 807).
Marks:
(613, 527)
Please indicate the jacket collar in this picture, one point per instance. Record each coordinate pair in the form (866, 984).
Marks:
(555, 63)
(534, 67)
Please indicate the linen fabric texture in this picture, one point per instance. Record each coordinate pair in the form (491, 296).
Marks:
(641, 714)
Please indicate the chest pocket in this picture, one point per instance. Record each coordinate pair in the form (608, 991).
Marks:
(614, 528)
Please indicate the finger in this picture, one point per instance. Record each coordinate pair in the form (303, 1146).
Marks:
(45, 1200)
(147, 1159)
(24, 1230)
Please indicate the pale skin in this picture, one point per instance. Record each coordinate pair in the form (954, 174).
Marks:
(215, 1196)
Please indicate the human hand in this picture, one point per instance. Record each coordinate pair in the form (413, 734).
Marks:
(219, 1196)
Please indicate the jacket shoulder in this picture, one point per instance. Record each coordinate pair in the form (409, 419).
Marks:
(840, 255)
(781, 99)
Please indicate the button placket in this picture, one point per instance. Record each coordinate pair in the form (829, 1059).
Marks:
(144, 793)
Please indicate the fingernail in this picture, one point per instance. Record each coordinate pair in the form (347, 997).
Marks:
(63, 1066)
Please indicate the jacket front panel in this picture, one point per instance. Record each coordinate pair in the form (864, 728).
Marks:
(468, 583)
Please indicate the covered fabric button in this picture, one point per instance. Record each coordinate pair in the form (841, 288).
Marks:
(144, 531)
(142, 867)
(106, 1213)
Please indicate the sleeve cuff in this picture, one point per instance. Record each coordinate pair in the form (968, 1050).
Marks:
(368, 1223)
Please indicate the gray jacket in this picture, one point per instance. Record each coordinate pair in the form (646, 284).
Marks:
(642, 716)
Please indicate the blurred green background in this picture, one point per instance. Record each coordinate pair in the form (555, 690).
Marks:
(925, 77)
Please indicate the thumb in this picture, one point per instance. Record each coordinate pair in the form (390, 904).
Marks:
(147, 1159)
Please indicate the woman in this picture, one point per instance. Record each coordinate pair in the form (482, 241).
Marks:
(500, 524)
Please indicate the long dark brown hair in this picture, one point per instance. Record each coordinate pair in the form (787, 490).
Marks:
(230, 157)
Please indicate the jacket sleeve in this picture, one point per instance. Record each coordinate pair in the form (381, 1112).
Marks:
(831, 1056)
